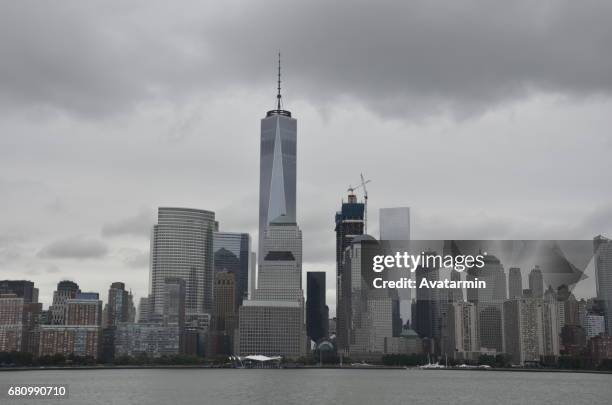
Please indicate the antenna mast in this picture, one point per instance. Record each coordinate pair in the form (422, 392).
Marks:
(278, 95)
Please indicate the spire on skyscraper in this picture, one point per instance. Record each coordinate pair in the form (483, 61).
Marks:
(279, 110)
(278, 95)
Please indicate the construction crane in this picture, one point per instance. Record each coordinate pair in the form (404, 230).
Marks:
(352, 189)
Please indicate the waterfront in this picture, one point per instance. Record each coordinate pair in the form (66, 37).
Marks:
(317, 386)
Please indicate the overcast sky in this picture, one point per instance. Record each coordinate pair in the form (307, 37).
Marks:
(489, 119)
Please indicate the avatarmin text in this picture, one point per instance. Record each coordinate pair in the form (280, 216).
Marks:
(446, 283)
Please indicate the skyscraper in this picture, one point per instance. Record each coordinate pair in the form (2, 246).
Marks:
(271, 322)
(277, 166)
(394, 223)
(65, 290)
(536, 283)
(316, 310)
(182, 246)
(120, 307)
(603, 271)
(349, 225)
(233, 254)
(515, 283)
(225, 304)
(22, 288)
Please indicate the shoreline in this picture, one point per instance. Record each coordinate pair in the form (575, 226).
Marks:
(185, 367)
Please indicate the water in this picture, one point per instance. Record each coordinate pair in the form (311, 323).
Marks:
(354, 387)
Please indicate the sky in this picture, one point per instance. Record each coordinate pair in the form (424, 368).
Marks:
(488, 119)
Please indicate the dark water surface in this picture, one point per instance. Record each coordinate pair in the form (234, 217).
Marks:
(316, 386)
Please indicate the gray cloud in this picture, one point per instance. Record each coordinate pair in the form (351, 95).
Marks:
(135, 258)
(137, 225)
(410, 58)
(112, 106)
(75, 247)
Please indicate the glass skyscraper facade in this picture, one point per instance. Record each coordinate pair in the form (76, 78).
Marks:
(232, 253)
(277, 170)
(182, 246)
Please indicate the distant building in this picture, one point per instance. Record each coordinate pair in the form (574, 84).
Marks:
(460, 330)
(65, 290)
(603, 272)
(523, 329)
(11, 322)
(144, 310)
(317, 313)
(84, 341)
(594, 324)
(573, 340)
(85, 309)
(515, 283)
(182, 246)
(173, 310)
(225, 305)
(428, 311)
(232, 253)
(600, 348)
(394, 223)
(536, 283)
(407, 343)
(153, 340)
(366, 313)
(120, 305)
(272, 328)
(272, 323)
(349, 225)
(22, 288)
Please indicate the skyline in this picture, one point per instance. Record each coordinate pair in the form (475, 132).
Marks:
(83, 171)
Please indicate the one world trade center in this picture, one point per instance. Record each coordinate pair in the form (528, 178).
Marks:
(277, 170)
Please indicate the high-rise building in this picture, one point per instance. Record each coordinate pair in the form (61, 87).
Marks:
(120, 305)
(364, 314)
(151, 339)
(233, 254)
(394, 226)
(594, 324)
(65, 290)
(460, 330)
(173, 312)
(144, 310)
(394, 223)
(536, 283)
(427, 321)
(22, 288)
(280, 272)
(515, 283)
(271, 322)
(278, 303)
(490, 301)
(523, 329)
(182, 246)
(75, 340)
(225, 303)
(85, 309)
(603, 271)
(317, 313)
(11, 322)
(349, 225)
(277, 167)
